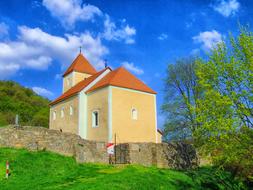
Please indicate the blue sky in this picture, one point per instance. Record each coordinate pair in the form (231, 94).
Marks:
(39, 39)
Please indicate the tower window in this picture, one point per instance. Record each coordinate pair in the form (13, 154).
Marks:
(69, 82)
(95, 118)
(62, 112)
(134, 114)
(54, 115)
(71, 110)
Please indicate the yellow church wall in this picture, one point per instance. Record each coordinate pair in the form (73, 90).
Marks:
(98, 101)
(74, 78)
(127, 129)
(80, 76)
(67, 123)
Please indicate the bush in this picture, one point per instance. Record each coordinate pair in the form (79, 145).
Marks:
(215, 178)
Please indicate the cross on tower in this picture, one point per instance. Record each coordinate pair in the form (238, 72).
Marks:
(80, 49)
(105, 62)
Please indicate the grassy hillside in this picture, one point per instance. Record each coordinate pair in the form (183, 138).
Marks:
(44, 170)
(15, 99)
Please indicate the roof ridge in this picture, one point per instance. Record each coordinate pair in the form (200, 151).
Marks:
(115, 73)
(74, 61)
(121, 77)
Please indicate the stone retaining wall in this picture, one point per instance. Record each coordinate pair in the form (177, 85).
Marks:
(164, 155)
(178, 156)
(39, 138)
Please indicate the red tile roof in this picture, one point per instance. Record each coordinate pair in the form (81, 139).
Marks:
(82, 65)
(77, 88)
(121, 78)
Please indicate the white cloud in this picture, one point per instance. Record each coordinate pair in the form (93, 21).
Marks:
(4, 29)
(64, 49)
(42, 91)
(208, 39)
(36, 49)
(132, 67)
(40, 62)
(8, 69)
(70, 11)
(123, 33)
(15, 55)
(227, 8)
(163, 36)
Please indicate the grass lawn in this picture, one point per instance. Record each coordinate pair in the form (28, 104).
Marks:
(45, 170)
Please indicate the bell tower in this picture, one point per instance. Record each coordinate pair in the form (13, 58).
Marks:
(77, 71)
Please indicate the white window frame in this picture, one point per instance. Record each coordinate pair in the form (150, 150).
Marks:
(54, 115)
(62, 112)
(134, 114)
(71, 110)
(93, 119)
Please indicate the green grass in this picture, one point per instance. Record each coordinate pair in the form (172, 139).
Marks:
(45, 170)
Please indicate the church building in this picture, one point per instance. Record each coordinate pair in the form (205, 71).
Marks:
(104, 105)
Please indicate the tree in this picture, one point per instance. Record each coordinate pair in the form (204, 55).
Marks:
(225, 111)
(180, 100)
(15, 99)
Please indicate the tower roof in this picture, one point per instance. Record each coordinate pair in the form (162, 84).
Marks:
(82, 65)
(122, 78)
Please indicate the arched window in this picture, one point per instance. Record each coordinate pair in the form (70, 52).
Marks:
(62, 112)
(54, 115)
(95, 118)
(71, 110)
(134, 114)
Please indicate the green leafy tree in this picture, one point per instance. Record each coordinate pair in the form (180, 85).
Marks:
(41, 118)
(15, 99)
(225, 110)
(180, 100)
